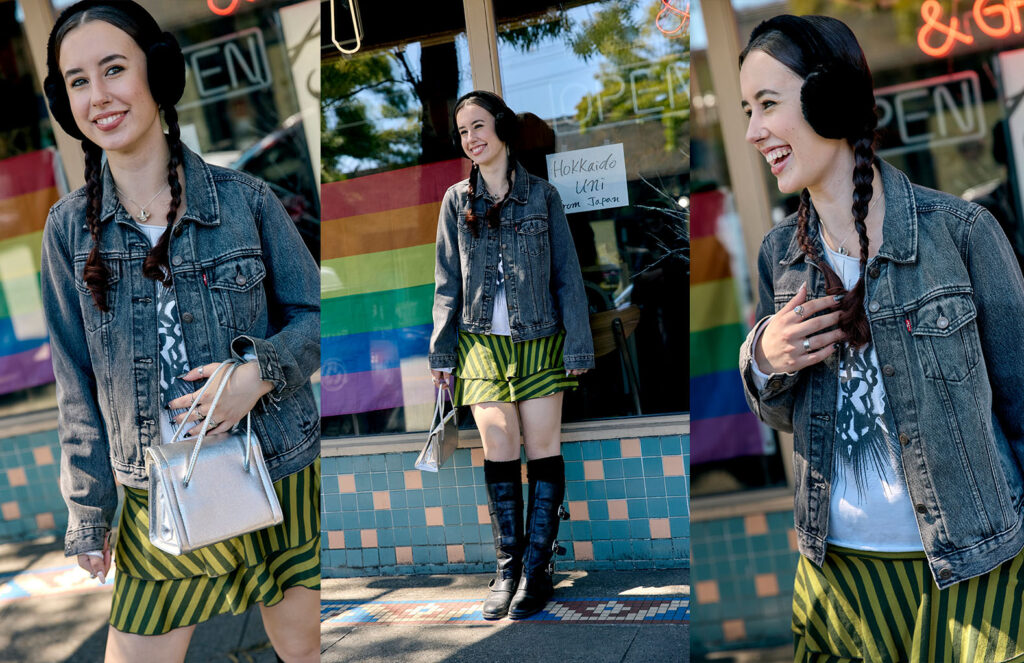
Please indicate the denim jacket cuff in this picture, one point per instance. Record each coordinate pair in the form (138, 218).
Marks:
(441, 361)
(84, 539)
(575, 362)
(266, 358)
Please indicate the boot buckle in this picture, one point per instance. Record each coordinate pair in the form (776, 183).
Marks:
(563, 513)
(557, 549)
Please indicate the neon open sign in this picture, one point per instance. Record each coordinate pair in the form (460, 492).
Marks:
(224, 7)
(939, 34)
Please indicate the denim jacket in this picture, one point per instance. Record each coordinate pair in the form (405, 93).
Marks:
(243, 281)
(543, 283)
(945, 303)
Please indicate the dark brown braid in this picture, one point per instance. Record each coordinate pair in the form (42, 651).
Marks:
(493, 213)
(852, 318)
(157, 264)
(95, 273)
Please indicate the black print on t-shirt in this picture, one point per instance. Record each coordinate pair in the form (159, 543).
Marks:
(863, 439)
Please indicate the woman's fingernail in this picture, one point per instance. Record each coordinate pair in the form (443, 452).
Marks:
(837, 298)
(102, 578)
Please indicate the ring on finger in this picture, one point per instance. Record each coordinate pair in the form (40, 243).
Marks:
(201, 371)
(799, 310)
(807, 345)
(199, 415)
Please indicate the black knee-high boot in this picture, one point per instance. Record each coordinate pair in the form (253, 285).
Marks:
(547, 489)
(505, 503)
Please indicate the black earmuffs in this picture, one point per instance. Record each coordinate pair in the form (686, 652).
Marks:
(837, 100)
(164, 61)
(506, 125)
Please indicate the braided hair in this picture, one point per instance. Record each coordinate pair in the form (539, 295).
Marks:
(837, 99)
(506, 129)
(166, 75)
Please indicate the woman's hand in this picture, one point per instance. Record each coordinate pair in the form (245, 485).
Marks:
(792, 339)
(97, 563)
(576, 372)
(241, 394)
(440, 377)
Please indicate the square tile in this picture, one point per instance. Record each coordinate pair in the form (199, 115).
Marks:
(476, 456)
(353, 540)
(579, 511)
(583, 550)
(707, 592)
(335, 540)
(456, 554)
(734, 629)
(434, 515)
(660, 528)
(611, 449)
(413, 479)
(368, 538)
(378, 481)
(630, 447)
(381, 499)
(755, 524)
(593, 470)
(43, 455)
(483, 517)
(672, 466)
(617, 510)
(45, 521)
(650, 446)
(16, 477)
(346, 483)
(10, 510)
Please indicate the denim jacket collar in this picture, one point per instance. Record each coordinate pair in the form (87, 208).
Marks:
(899, 236)
(203, 206)
(520, 187)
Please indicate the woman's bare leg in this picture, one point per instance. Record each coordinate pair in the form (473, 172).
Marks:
(498, 424)
(168, 647)
(293, 625)
(542, 425)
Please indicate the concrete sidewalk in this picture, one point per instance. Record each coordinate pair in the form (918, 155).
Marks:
(52, 611)
(596, 616)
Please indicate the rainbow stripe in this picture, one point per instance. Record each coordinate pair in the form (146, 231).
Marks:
(377, 286)
(27, 190)
(720, 418)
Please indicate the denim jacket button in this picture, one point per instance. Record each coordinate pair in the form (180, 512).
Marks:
(942, 322)
(888, 370)
(945, 574)
(921, 508)
(187, 317)
(178, 229)
(873, 307)
(240, 280)
(176, 261)
(873, 272)
(904, 438)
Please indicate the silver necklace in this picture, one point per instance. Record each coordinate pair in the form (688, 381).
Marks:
(841, 247)
(143, 214)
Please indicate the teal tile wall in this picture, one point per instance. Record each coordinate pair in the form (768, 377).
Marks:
(627, 513)
(29, 489)
(727, 556)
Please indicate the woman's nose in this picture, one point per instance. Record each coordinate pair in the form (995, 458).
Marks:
(755, 130)
(100, 95)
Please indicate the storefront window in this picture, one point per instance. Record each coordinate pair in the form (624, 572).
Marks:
(28, 186)
(607, 83)
(387, 161)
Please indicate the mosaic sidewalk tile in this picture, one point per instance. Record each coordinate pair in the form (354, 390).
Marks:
(69, 579)
(660, 609)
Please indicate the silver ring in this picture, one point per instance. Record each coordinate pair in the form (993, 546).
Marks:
(199, 415)
(807, 345)
(799, 310)
(200, 371)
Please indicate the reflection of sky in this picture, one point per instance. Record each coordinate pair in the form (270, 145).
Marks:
(550, 79)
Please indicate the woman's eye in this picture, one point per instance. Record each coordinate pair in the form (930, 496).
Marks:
(747, 112)
(766, 104)
(78, 82)
(115, 69)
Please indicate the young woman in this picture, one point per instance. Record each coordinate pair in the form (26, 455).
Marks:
(891, 318)
(511, 322)
(157, 270)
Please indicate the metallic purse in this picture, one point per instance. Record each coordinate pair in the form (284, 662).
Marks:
(443, 437)
(208, 491)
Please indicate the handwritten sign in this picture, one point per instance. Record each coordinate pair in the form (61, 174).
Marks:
(939, 34)
(590, 179)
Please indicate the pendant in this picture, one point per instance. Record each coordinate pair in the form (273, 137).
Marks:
(843, 251)
(143, 215)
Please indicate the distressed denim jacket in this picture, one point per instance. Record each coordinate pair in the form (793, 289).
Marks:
(243, 281)
(543, 283)
(945, 302)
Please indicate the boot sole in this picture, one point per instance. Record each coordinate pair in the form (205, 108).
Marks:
(523, 615)
(494, 616)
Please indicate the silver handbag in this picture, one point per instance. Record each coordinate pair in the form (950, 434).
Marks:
(208, 491)
(443, 437)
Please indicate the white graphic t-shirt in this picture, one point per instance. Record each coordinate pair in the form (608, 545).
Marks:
(870, 508)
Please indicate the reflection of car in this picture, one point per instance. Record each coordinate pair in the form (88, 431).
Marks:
(281, 159)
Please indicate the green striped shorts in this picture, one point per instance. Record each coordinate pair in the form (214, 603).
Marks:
(885, 607)
(491, 368)
(155, 592)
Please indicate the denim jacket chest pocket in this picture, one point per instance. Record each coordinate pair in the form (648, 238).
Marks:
(93, 318)
(238, 296)
(945, 331)
(532, 234)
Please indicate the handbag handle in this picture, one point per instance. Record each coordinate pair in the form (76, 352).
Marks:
(439, 414)
(231, 365)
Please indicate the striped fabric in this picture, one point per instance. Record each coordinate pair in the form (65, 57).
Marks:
(494, 369)
(718, 408)
(885, 607)
(155, 592)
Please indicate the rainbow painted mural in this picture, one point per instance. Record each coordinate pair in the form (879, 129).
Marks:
(27, 190)
(377, 286)
(721, 419)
